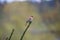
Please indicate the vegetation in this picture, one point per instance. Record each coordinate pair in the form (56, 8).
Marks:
(15, 16)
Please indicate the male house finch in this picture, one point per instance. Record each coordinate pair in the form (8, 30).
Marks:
(29, 21)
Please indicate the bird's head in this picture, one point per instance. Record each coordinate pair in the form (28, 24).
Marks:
(31, 16)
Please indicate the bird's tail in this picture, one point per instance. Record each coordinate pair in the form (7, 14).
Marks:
(26, 23)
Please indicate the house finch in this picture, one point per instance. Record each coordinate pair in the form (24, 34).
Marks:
(29, 21)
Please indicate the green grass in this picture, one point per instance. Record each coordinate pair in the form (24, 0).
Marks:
(16, 14)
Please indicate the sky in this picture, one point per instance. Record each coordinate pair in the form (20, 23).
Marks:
(10, 1)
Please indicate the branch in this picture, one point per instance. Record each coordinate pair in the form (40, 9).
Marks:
(25, 31)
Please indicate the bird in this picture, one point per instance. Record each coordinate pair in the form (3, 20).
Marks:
(29, 20)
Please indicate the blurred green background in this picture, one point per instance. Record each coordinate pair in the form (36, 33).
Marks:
(15, 15)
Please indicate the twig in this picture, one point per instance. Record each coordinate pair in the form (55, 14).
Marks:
(11, 34)
(25, 31)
